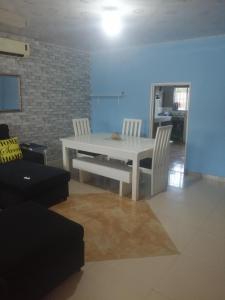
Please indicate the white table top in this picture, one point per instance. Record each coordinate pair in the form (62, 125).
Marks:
(102, 143)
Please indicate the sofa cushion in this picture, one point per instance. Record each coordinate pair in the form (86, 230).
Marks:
(27, 230)
(30, 178)
(39, 249)
(10, 150)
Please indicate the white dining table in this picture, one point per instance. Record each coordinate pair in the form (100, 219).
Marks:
(128, 148)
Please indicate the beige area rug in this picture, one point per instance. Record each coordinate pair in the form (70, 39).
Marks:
(116, 228)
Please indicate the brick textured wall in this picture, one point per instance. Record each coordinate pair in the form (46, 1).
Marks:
(55, 87)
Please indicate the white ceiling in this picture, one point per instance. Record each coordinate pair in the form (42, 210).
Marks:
(77, 23)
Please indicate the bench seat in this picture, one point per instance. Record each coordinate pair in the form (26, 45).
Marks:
(113, 169)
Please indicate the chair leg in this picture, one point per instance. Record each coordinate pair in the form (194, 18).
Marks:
(152, 187)
(125, 189)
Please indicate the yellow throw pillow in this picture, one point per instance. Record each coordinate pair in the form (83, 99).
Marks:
(9, 150)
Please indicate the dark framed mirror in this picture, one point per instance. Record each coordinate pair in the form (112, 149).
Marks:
(10, 93)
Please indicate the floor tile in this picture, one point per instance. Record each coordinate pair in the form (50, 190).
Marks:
(215, 224)
(156, 296)
(118, 279)
(191, 205)
(195, 280)
(207, 249)
(181, 235)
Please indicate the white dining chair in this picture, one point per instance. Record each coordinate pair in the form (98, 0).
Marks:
(132, 127)
(81, 126)
(160, 160)
(158, 166)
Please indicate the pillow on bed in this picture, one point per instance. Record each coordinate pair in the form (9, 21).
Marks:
(10, 150)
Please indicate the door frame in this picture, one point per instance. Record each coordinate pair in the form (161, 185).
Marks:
(152, 103)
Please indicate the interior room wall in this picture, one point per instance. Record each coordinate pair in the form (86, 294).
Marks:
(200, 62)
(55, 88)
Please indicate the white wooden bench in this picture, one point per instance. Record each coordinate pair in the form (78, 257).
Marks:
(107, 168)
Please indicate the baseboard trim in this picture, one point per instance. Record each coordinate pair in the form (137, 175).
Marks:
(206, 176)
(189, 173)
(212, 177)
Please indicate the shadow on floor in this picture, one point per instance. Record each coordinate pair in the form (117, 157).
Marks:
(66, 289)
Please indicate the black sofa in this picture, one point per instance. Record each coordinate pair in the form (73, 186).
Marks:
(30, 180)
(39, 249)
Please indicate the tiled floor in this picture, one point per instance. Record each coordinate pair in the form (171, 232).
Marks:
(176, 167)
(194, 216)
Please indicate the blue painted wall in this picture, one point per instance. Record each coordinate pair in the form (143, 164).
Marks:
(200, 62)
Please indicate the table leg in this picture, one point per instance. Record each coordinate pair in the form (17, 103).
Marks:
(45, 157)
(135, 179)
(66, 162)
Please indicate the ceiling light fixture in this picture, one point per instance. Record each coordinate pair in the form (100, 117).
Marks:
(112, 23)
(112, 14)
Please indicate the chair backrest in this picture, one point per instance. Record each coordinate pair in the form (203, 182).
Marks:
(160, 160)
(132, 127)
(81, 126)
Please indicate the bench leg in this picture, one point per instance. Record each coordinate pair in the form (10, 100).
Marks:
(84, 176)
(125, 189)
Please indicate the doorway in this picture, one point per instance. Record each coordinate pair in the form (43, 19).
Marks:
(169, 105)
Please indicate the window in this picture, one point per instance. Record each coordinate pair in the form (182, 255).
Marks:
(10, 98)
(181, 97)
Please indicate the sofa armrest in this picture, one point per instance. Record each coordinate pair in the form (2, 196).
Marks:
(33, 156)
(3, 289)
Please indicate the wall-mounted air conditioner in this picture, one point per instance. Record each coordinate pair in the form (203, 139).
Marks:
(15, 48)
